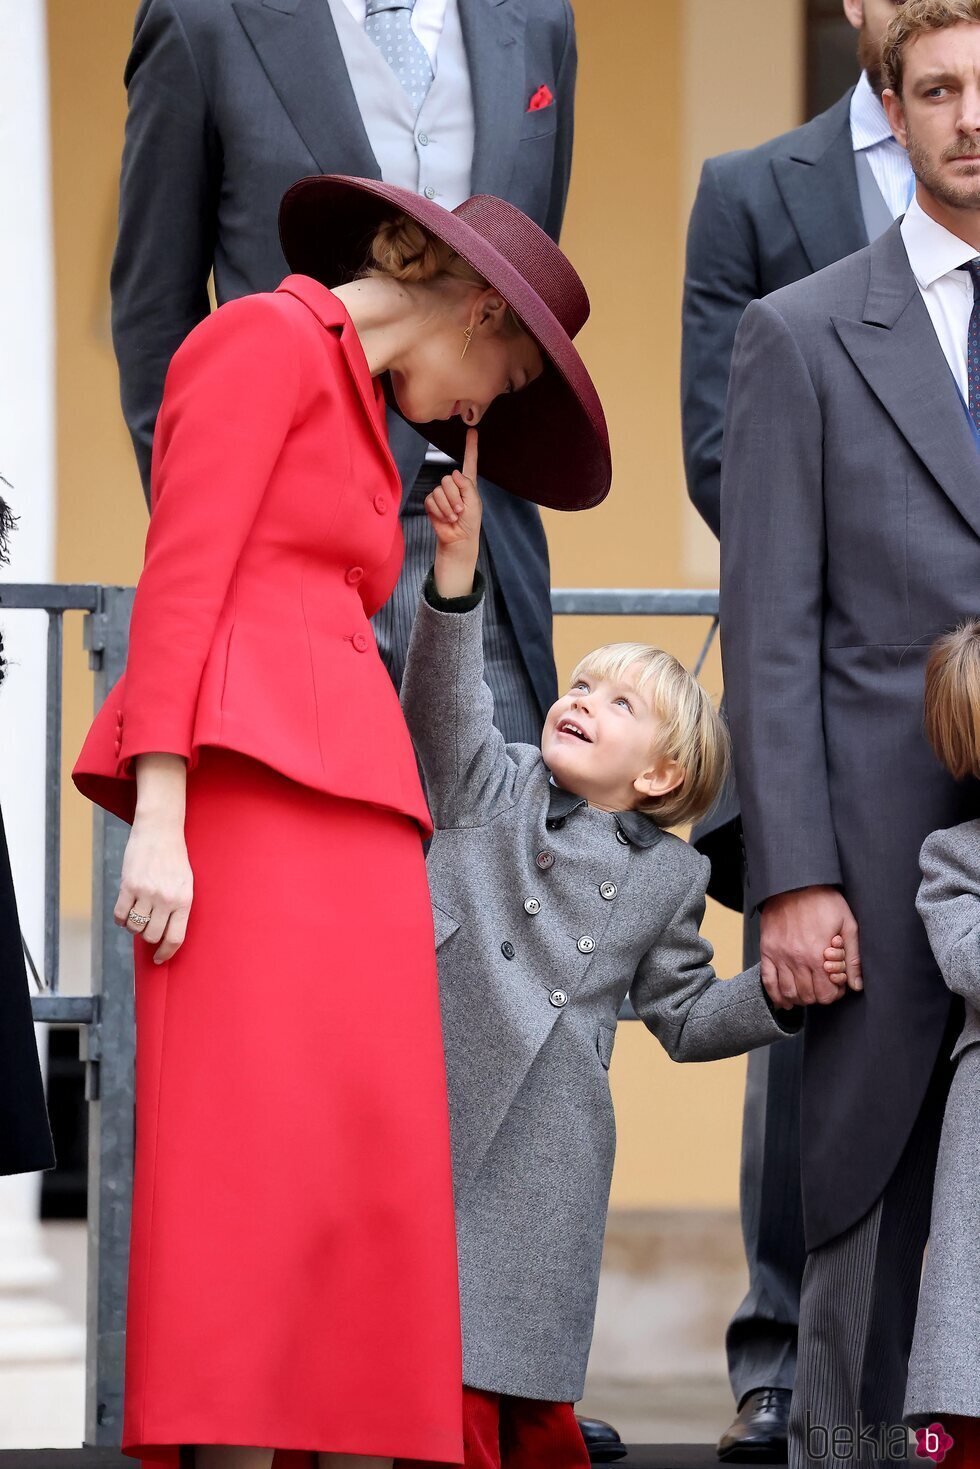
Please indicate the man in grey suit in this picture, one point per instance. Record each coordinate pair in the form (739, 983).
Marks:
(231, 101)
(762, 219)
(850, 539)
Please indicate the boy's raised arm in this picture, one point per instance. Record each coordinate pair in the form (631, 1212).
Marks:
(448, 705)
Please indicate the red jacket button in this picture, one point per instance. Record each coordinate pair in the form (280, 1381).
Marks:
(360, 642)
(354, 575)
(380, 504)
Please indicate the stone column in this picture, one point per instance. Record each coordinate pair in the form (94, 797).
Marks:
(41, 1376)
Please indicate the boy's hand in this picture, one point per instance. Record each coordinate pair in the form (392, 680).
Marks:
(455, 513)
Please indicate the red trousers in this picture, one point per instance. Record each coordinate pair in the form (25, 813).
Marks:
(965, 1453)
(500, 1432)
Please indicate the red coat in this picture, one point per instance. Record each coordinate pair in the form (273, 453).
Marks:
(274, 537)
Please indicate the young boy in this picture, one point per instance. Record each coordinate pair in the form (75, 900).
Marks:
(556, 892)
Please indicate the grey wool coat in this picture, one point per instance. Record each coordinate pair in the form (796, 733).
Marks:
(944, 1368)
(547, 914)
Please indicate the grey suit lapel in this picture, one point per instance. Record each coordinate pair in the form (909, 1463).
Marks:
(818, 183)
(296, 42)
(492, 30)
(897, 352)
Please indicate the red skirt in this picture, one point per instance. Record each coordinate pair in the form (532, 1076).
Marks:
(293, 1264)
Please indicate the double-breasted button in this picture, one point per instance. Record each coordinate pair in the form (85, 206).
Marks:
(532, 906)
(558, 998)
(355, 575)
(621, 836)
(360, 642)
(381, 504)
(586, 944)
(545, 860)
(507, 949)
(608, 890)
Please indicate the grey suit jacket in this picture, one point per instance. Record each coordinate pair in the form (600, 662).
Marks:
(850, 541)
(547, 913)
(944, 1368)
(762, 218)
(231, 101)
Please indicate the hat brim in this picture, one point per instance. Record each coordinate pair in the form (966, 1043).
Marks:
(549, 443)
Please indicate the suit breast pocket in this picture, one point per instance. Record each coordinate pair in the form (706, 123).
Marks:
(541, 123)
(444, 924)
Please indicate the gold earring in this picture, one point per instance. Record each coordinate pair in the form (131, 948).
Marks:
(468, 334)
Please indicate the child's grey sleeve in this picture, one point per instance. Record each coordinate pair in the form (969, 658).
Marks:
(469, 773)
(949, 905)
(695, 1015)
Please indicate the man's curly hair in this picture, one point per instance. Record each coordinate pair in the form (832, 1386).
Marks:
(913, 19)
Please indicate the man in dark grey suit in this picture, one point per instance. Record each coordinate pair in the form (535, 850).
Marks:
(850, 539)
(231, 101)
(761, 220)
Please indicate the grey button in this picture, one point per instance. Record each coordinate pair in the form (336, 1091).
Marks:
(586, 944)
(621, 836)
(545, 860)
(558, 998)
(532, 906)
(423, 138)
(430, 192)
(507, 949)
(608, 890)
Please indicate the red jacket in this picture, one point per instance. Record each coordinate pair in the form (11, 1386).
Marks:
(274, 537)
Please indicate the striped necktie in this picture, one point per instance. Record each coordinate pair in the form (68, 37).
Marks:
(389, 24)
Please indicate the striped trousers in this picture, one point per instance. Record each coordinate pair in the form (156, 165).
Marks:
(857, 1312)
(517, 713)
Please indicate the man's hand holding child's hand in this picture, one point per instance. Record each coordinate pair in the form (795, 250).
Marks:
(455, 513)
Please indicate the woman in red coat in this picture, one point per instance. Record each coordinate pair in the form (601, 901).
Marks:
(292, 1270)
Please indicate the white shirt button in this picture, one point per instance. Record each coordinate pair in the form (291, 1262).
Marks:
(430, 192)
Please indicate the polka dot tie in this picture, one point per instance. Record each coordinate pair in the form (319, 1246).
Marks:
(389, 24)
(973, 344)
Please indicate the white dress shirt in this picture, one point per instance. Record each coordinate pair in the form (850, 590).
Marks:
(428, 18)
(872, 136)
(937, 258)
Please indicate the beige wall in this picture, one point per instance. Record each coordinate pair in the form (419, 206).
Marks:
(661, 86)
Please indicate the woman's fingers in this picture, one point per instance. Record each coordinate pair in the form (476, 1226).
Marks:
(154, 930)
(125, 901)
(174, 935)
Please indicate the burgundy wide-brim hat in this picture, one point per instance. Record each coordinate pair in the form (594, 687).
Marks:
(548, 443)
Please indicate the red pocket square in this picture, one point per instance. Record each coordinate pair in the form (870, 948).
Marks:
(542, 98)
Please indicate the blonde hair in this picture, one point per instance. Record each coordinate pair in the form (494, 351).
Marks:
(913, 19)
(952, 711)
(692, 732)
(403, 251)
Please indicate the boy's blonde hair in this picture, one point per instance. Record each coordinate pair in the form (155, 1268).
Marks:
(692, 731)
(952, 713)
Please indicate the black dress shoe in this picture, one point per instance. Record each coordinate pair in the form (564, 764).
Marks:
(760, 1430)
(602, 1441)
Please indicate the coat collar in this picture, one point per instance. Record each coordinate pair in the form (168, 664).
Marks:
(817, 179)
(895, 348)
(639, 829)
(331, 313)
(296, 41)
(297, 45)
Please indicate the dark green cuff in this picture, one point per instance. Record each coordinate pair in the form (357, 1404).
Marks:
(453, 604)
